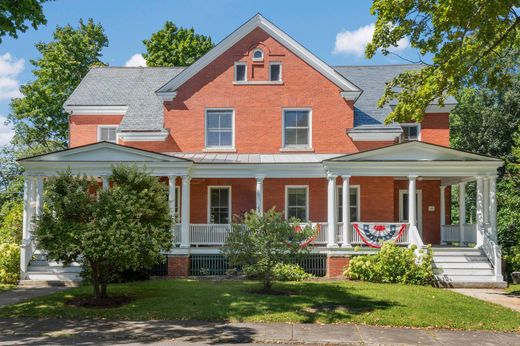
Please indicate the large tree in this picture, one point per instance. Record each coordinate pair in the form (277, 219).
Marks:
(175, 46)
(16, 14)
(465, 39)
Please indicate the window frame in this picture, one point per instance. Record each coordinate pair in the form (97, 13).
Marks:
(240, 63)
(254, 52)
(418, 125)
(297, 147)
(358, 201)
(287, 188)
(230, 213)
(206, 147)
(280, 79)
(100, 127)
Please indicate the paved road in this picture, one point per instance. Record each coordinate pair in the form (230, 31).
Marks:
(101, 332)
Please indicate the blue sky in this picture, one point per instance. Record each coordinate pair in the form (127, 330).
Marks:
(336, 31)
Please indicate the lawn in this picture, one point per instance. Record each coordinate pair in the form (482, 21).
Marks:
(5, 287)
(309, 302)
(514, 289)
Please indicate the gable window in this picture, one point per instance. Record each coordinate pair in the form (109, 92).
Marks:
(258, 55)
(219, 128)
(297, 202)
(275, 71)
(240, 72)
(354, 204)
(107, 133)
(411, 132)
(296, 128)
(219, 204)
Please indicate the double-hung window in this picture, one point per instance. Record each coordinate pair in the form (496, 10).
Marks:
(297, 202)
(240, 72)
(219, 204)
(275, 72)
(297, 128)
(411, 132)
(219, 128)
(107, 133)
(354, 204)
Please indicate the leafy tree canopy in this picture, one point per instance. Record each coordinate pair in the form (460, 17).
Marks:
(464, 37)
(173, 46)
(15, 14)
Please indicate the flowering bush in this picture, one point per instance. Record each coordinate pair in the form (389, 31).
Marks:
(9, 263)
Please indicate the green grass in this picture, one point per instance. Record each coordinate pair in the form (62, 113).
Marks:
(311, 302)
(514, 289)
(6, 287)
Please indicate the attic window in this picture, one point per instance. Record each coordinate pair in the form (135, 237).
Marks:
(258, 55)
(411, 132)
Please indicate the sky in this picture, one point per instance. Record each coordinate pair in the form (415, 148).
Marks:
(336, 31)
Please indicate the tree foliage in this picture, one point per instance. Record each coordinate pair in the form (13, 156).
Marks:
(466, 38)
(15, 14)
(108, 231)
(175, 46)
(263, 241)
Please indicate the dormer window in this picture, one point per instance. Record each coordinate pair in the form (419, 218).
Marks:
(258, 55)
(411, 132)
(240, 72)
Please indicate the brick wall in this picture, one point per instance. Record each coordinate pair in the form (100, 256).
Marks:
(336, 265)
(435, 129)
(83, 128)
(178, 266)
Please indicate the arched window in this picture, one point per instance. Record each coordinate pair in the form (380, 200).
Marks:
(258, 55)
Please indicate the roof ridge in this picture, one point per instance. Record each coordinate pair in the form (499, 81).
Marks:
(375, 66)
(138, 67)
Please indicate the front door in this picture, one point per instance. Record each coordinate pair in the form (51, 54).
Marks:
(403, 208)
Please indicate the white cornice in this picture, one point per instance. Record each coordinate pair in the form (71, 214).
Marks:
(96, 110)
(167, 95)
(373, 136)
(435, 108)
(158, 136)
(350, 95)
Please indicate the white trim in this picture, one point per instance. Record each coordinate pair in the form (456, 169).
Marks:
(419, 208)
(240, 63)
(224, 148)
(307, 147)
(257, 59)
(100, 127)
(258, 82)
(279, 63)
(371, 136)
(350, 95)
(418, 125)
(143, 136)
(96, 110)
(306, 187)
(230, 213)
(167, 95)
(258, 21)
(358, 199)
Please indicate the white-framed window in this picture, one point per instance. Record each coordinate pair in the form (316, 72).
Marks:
(240, 71)
(355, 207)
(411, 132)
(107, 133)
(220, 124)
(297, 202)
(297, 128)
(258, 55)
(275, 71)
(219, 204)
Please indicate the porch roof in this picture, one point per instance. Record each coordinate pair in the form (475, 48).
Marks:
(206, 158)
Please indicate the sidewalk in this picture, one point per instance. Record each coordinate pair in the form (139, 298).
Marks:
(103, 332)
(492, 295)
(20, 294)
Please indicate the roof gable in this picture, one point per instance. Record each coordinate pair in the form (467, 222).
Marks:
(349, 90)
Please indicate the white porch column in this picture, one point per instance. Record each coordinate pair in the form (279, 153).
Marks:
(39, 195)
(185, 212)
(260, 195)
(345, 201)
(493, 207)
(27, 199)
(106, 183)
(412, 212)
(171, 196)
(486, 201)
(462, 211)
(443, 205)
(332, 220)
(480, 211)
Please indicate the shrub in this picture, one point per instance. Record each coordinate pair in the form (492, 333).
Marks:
(290, 272)
(9, 263)
(393, 264)
(11, 216)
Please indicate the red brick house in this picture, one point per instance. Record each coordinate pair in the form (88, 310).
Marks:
(260, 122)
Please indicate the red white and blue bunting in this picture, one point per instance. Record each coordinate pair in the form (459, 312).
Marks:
(374, 235)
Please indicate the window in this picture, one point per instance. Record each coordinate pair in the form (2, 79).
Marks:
(107, 133)
(296, 202)
(297, 128)
(354, 204)
(275, 71)
(411, 132)
(219, 204)
(219, 128)
(240, 72)
(258, 55)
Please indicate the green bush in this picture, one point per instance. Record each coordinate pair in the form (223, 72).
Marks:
(290, 272)
(9, 263)
(393, 264)
(11, 216)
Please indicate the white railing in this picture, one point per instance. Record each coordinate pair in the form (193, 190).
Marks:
(209, 234)
(26, 252)
(493, 251)
(451, 234)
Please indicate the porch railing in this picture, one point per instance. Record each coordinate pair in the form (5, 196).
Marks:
(452, 234)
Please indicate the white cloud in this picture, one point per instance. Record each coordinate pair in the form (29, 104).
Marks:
(354, 42)
(9, 71)
(6, 132)
(136, 60)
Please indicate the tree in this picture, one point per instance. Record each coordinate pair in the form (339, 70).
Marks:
(466, 38)
(122, 228)
(173, 46)
(263, 241)
(15, 13)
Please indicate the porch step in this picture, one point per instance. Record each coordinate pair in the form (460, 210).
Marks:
(50, 276)
(49, 283)
(464, 271)
(462, 265)
(459, 259)
(51, 273)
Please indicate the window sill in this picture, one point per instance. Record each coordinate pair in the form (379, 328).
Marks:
(259, 82)
(289, 149)
(219, 150)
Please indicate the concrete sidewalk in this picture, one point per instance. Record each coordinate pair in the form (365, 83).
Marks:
(103, 332)
(492, 295)
(19, 294)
